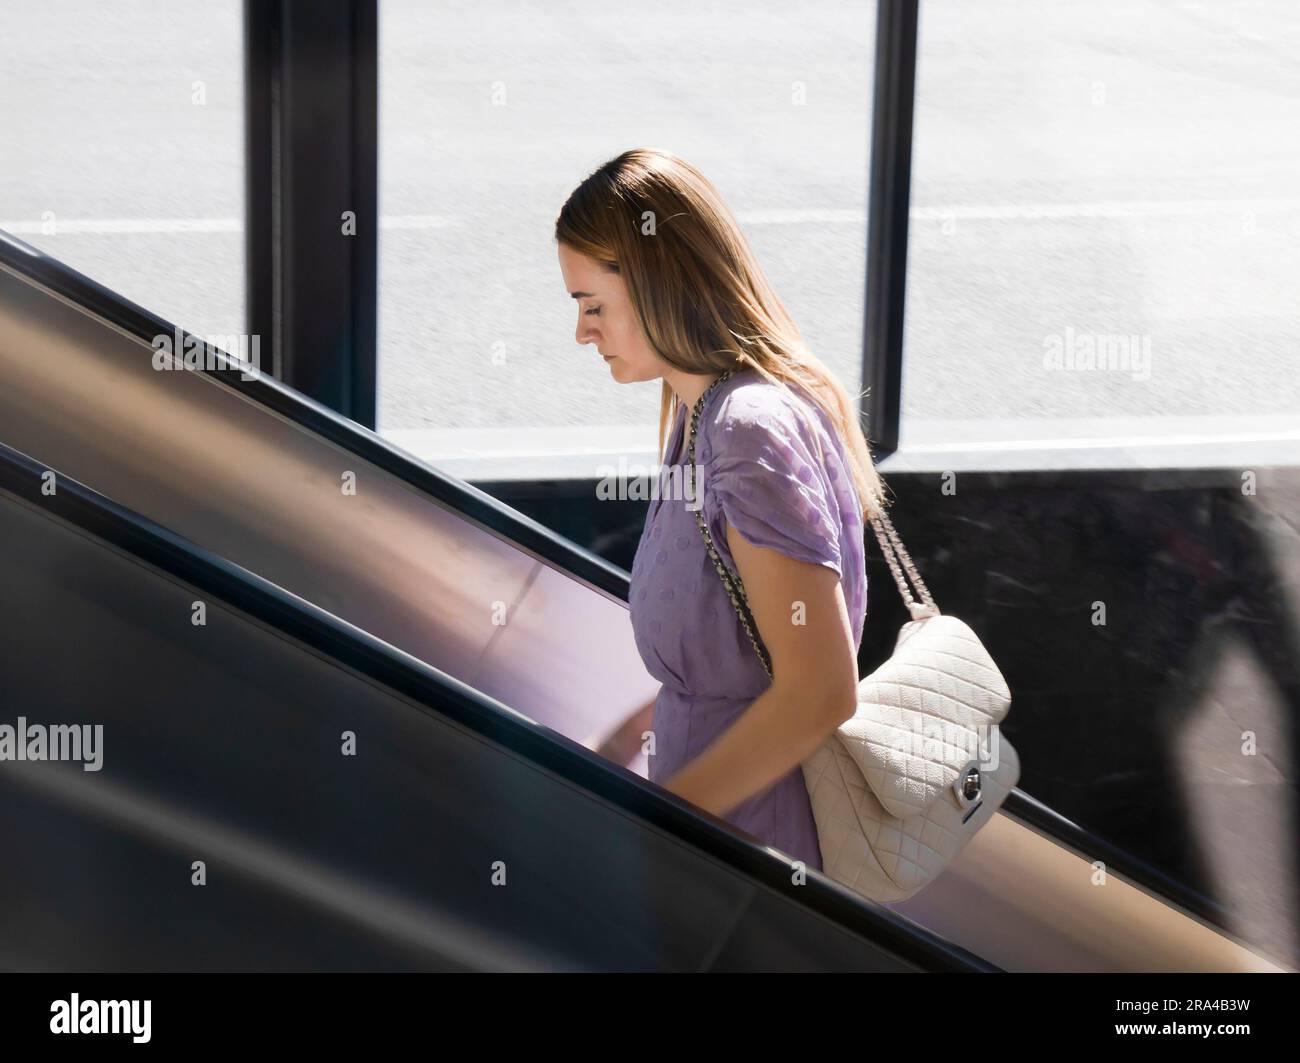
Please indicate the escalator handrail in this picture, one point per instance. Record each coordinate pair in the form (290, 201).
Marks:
(434, 691)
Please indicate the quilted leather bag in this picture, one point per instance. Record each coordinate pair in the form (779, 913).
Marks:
(900, 788)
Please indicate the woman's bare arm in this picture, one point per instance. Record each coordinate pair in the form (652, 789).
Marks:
(802, 618)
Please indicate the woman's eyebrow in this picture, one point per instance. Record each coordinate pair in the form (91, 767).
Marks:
(583, 295)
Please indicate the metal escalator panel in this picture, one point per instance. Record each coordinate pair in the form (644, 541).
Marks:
(230, 778)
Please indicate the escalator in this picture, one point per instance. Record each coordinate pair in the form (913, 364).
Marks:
(251, 472)
(263, 787)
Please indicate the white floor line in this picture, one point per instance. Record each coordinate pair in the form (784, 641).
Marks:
(1104, 442)
(129, 226)
(793, 216)
(1112, 209)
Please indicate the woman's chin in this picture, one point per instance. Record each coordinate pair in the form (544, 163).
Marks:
(623, 372)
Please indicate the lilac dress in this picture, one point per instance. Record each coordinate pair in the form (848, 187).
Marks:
(761, 475)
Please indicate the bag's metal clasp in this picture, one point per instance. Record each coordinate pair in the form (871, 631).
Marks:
(967, 784)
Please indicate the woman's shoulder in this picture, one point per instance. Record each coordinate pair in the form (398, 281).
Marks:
(752, 412)
(763, 472)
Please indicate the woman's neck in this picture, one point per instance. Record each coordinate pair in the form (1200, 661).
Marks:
(688, 387)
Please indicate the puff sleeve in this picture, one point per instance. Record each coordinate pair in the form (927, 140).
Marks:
(763, 477)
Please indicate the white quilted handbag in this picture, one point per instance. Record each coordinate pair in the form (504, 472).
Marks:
(903, 785)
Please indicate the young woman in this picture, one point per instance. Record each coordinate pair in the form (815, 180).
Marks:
(667, 288)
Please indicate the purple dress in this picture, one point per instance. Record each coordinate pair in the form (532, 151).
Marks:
(761, 475)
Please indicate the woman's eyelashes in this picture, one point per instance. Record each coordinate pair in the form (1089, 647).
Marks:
(594, 311)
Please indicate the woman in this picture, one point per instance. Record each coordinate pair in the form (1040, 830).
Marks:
(668, 288)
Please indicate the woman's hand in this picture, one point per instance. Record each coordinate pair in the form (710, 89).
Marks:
(625, 742)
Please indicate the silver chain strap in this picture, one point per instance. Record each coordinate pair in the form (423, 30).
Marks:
(890, 544)
(730, 580)
(893, 548)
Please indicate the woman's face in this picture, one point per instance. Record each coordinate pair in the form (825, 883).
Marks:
(606, 318)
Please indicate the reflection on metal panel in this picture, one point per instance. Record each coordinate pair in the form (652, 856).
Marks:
(1027, 903)
(195, 456)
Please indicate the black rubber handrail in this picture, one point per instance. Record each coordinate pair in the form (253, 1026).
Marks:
(434, 691)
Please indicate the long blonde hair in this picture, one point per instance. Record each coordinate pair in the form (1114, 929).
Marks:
(699, 293)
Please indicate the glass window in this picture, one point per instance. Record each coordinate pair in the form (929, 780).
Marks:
(491, 114)
(1105, 223)
(122, 129)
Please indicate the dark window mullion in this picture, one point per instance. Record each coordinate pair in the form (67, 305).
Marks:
(311, 113)
(889, 199)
